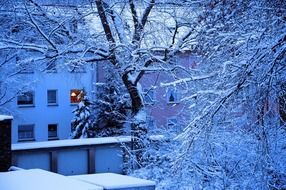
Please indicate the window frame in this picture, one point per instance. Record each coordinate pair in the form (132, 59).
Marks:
(26, 104)
(77, 68)
(25, 68)
(175, 95)
(53, 137)
(74, 100)
(32, 138)
(51, 67)
(146, 95)
(171, 123)
(56, 97)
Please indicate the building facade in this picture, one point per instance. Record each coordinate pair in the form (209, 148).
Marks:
(44, 111)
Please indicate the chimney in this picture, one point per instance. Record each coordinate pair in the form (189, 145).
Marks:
(5, 142)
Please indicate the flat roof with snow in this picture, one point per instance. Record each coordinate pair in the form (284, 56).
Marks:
(116, 181)
(37, 179)
(70, 143)
(5, 117)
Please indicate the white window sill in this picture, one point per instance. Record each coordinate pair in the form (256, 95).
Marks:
(26, 105)
(53, 104)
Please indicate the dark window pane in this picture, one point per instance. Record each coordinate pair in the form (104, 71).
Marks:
(26, 132)
(52, 96)
(26, 98)
(52, 130)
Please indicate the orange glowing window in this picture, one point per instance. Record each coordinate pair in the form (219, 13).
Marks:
(75, 96)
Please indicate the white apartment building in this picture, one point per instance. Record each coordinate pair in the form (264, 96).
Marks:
(45, 111)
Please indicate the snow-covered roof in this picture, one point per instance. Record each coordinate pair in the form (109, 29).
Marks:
(36, 179)
(114, 181)
(4, 117)
(70, 143)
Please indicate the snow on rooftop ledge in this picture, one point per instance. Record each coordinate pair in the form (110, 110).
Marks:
(5, 117)
(37, 179)
(70, 142)
(115, 181)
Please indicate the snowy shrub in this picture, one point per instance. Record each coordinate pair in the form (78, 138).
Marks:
(82, 124)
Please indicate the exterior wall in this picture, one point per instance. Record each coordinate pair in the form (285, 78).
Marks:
(160, 110)
(41, 114)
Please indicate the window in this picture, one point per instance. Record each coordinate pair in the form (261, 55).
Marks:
(52, 131)
(51, 67)
(172, 95)
(172, 122)
(52, 97)
(26, 69)
(75, 96)
(26, 133)
(149, 96)
(26, 98)
(77, 66)
(24, 66)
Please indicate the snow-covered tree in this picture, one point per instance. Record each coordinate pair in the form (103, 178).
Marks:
(235, 135)
(112, 105)
(133, 37)
(141, 36)
(82, 124)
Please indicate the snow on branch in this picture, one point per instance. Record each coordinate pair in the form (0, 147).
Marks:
(40, 30)
(190, 79)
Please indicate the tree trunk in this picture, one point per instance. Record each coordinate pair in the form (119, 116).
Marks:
(138, 125)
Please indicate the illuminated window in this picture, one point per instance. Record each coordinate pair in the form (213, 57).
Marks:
(26, 132)
(52, 97)
(26, 99)
(75, 96)
(52, 131)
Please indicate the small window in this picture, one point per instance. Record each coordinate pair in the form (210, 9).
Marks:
(26, 132)
(172, 122)
(26, 99)
(51, 67)
(149, 96)
(75, 96)
(52, 131)
(172, 95)
(24, 66)
(52, 97)
(77, 66)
